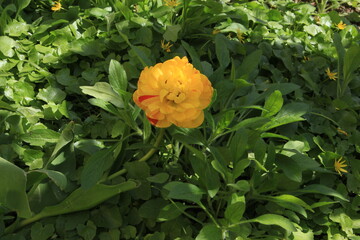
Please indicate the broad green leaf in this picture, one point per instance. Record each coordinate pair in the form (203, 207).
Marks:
(6, 46)
(117, 77)
(225, 120)
(39, 137)
(290, 113)
(250, 123)
(160, 11)
(171, 33)
(137, 170)
(322, 189)
(207, 175)
(351, 63)
(274, 219)
(66, 136)
(221, 50)
(96, 165)
(88, 47)
(235, 209)
(159, 178)
(193, 55)
(273, 104)
(13, 188)
(209, 232)
(184, 191)
(21, 4)
(57, 177)
(171, 211)
(84, 199)
(291, 169)
(40, 232)
(291, 199)
(151, 209)
(103, 91)
(51, 94)
(249, 64)
(33, 158)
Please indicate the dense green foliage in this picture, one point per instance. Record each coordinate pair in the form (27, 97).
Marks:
(79, 160)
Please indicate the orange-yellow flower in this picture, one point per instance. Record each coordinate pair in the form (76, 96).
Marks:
(56, 6)
(341, 25)
(331, 75)
(339, 166)
(173, 92)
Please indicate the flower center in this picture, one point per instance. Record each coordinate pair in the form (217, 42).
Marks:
(173, 92)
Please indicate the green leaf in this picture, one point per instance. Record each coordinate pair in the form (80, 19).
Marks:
(351, 63)
(151, 209)
(290, 113)
(322, 189)
(291, 169)
(21, 4)
(57, 177)
(39, 137)
(221, 50)
(193, 55)
(209, 232)
(225, 120)
(40, 232)
(6, 46)
(84, 199)
(117, 77)
(291, 199)
(171, 211)
(103, 91)
(273, 219)
(88, 47)
(273, 104)
(96, 165)
(249, 122)
(184, 191)
(235, 210)
(13, 188)
(160, 11)
(171, 33)
(51, 94)
(249, 64)
(67, 136)
(159, 178)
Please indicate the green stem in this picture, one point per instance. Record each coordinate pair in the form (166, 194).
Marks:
(118, 173)
(185, 213)
(156, 145)
(209, 214)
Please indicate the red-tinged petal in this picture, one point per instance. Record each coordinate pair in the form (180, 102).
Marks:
(152, 120)
(144, 97)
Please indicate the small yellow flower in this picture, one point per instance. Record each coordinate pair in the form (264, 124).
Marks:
(215, 31)
(306, 58)
(56, 6)
(339, 166)
(341, 25)
(240, 36)
(171, 3)
(173, 92)
(166, 47)
(331, 75)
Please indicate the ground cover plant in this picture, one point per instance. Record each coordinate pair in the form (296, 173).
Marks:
(268, 147)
